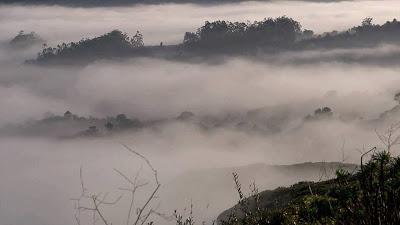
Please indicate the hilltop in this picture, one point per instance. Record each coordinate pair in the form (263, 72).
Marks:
(268, 38)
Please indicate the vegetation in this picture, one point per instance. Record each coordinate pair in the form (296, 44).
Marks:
(228, 36)
(365, 35)
(286, 33)
(112, 44)
(23, 39)
(368, 196)
(72, 125)
(321, 113)
(224, 37)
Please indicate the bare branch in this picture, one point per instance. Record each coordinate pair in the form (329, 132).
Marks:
(390, 137)
(96, 208)
(362, 156)
(93, 202)
(145, 159)
(132, 190)
(153, 193)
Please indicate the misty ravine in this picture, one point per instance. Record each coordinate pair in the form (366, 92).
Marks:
(170, 112)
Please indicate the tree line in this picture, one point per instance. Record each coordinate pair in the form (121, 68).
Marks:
(225, 37)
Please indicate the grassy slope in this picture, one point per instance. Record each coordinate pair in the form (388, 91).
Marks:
(283, 196)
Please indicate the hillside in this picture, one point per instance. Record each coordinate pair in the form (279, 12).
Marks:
(271, 38)
(367, 196)
(196, 185)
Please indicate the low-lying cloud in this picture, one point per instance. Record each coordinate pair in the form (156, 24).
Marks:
(45, 171)
(169, 22)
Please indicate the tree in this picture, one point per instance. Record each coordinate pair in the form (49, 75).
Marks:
(185, 115)
(320, 113)
(125, 123)
(109, 126)
(225, 35)
(397, 97)
(137, 40)
(112, 44)
(367, 22)
(190, 38)
(325, 111)
(307, 34)
(121, 118)
(67, 115)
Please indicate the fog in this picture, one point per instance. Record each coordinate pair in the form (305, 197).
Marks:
(40, 174)
(168, 22)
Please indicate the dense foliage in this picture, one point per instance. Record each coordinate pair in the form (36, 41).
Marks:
(112, 44)
(225, 35)
(365, 35)
(286, 33)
